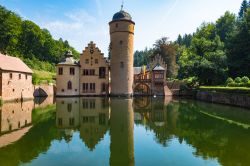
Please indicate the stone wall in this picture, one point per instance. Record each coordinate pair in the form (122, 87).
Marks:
(241, 100)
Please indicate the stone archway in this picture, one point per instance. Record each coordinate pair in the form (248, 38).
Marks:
(142, 89)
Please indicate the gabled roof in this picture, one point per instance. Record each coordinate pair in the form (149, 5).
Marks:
(158, 68)
(13, 64)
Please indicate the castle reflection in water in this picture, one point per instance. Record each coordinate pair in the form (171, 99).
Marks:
(93, 117)
(32, 128)
(16, 118)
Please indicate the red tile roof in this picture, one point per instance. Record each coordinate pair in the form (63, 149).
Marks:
(13, 64)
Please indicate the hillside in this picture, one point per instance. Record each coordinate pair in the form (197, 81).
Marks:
(26, 40)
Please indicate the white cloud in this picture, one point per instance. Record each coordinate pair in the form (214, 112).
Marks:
(79, 28)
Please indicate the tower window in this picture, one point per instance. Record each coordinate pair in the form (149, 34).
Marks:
(72, 71)
(11, 76)
(20, 76)
(121, 64)
(69, 85)
(121, 42)
(60, 71)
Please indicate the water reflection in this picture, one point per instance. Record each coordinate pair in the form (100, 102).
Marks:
(139, 131)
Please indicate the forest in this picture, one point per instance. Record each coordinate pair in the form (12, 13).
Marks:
(218, 53)
(26, 40)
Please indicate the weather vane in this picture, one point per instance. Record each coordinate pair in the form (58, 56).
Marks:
(122, 4)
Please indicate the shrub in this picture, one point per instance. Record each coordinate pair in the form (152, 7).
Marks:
(192, 82)
(245, 80)
(229, 81)
(237, 80)
(248, 84)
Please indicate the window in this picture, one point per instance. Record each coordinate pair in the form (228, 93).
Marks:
(86, 61)
(62, 90)
(20, 76)
(102, 72)
(87, 72)
(11, 76)
(121, 64)
(85, 87)
(116, 25)
(60, 71)
(26, 76)
(69, 85)
(72, 71)
(121, 42)
(96, 61)
(92, 87)
(92, 72)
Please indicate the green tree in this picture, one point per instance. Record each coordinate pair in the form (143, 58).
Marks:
(168, 51)
(225, 26)
(238, 49)
(243, 9)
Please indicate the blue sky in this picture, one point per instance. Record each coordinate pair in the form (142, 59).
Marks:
(81, 21)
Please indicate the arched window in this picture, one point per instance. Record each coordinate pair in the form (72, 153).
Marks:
(69, 85)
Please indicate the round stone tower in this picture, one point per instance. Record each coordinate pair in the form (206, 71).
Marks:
(121, 51)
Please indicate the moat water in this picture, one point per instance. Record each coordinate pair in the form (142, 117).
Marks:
(116, 131)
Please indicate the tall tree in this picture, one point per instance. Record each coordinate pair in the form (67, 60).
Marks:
(239, 50)
(225, 26)
(168, 51)
(243, 9)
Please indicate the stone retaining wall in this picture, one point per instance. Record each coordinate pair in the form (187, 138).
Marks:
(241, 100)
(43, 90)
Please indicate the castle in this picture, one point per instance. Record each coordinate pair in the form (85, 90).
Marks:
(95, 75)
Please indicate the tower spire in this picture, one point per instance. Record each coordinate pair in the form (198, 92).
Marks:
(122, 5)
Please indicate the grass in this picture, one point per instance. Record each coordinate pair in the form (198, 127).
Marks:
(241, 90)
(40, 77)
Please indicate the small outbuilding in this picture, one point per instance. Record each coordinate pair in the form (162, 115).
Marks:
(15, 79)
